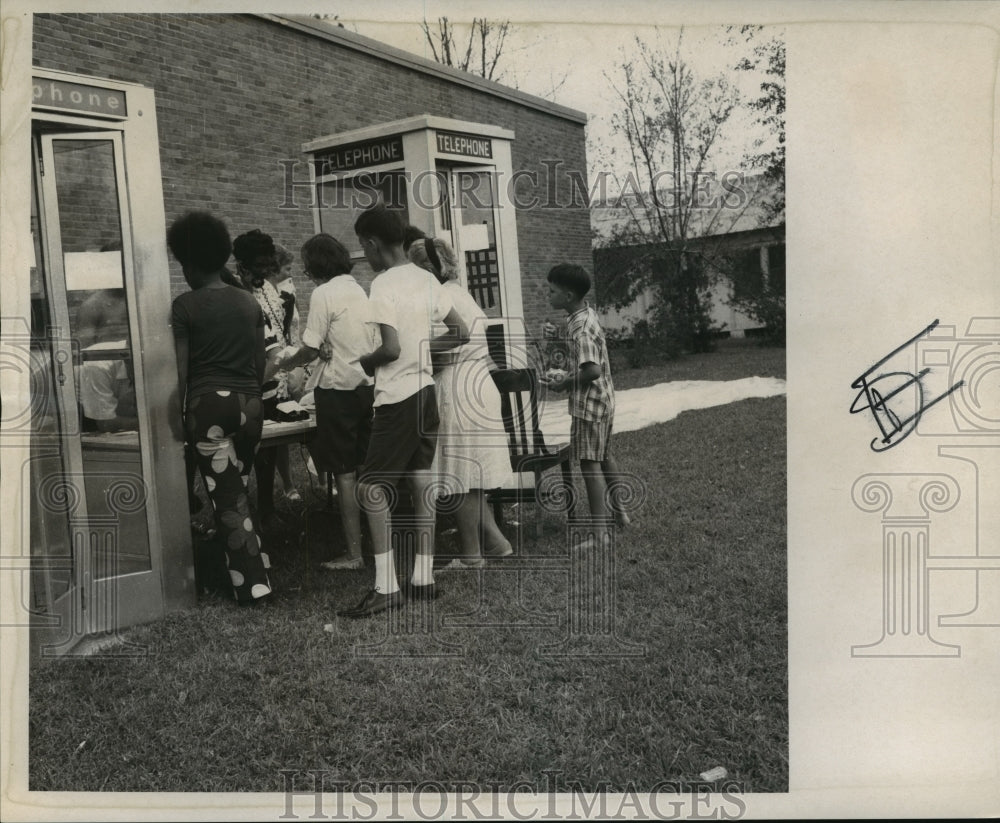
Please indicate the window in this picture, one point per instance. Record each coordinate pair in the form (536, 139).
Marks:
(776, 268)
(748, 277)
(342, 200)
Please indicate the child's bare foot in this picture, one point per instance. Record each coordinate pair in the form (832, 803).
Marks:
(346, 564)
(503, 549)
(589, 543)
(463, 563)
(622, 520)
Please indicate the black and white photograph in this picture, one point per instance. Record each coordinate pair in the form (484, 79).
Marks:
(410, 411)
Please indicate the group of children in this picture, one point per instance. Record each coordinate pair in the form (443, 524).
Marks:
(380, 412)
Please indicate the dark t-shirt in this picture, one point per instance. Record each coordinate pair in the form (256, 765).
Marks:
(220, 326)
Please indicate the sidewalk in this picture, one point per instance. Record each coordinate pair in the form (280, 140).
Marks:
(638, 408)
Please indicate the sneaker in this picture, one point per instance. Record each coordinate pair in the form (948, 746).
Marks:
(293, 496)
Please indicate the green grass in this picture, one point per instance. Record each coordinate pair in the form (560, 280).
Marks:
(226, 698)
(732, 360)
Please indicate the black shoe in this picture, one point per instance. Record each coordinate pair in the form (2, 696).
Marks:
(374, 603)
(426, 593)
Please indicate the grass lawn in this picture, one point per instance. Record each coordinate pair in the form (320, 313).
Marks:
(732, 359)
(225, 698)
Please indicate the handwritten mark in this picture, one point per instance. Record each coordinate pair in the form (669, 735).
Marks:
(874, 396)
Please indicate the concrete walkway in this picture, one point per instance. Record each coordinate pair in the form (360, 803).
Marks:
(638, 408)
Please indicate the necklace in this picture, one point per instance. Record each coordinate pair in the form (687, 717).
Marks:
(275, 313)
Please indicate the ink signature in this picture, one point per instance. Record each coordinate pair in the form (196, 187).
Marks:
(875, 394)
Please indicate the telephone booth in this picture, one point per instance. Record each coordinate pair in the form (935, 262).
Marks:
(106, 474)
(449, 178)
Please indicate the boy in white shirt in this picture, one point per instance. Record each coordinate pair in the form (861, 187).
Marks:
(405, 301)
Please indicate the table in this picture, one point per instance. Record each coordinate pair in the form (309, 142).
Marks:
(276, 434)
(279, 434)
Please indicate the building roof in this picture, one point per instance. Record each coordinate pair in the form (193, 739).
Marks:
(728, 205)
(358, 42)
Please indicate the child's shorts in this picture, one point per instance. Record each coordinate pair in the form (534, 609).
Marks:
(591, 439)
(404, 437)
(343, 428)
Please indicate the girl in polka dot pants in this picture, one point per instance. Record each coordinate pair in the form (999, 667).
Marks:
(224, 428)
(219, 337)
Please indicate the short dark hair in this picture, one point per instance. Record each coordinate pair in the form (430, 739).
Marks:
(324, 256)
(199, 241)
(252, 245)
(410, 235)
(570, 276)
(381, 223)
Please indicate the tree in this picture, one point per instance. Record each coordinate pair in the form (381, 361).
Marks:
(490, 51)
(766, 304)
(769, 57)
(670, 121)
(481, 52)
(331, 18)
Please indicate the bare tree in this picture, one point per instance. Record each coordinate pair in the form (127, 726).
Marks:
(478, 52)
(671, 122)
(329, 18)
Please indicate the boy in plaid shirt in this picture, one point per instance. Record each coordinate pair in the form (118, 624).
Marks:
(591, 392)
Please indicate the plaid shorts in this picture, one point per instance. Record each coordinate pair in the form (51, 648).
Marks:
(591, 439)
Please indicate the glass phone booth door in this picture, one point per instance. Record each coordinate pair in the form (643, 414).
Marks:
(470, 215)
(97, 568)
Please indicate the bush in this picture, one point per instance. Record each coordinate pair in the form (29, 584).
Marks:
(767, 308)
(650, 345)
(618, 338)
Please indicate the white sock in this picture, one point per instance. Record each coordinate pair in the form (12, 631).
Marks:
(385, 573)
(423, 569)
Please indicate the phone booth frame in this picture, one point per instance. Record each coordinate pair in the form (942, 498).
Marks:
(80, 111)
(432, 155)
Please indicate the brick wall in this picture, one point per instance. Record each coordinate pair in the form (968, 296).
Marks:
(236, 93)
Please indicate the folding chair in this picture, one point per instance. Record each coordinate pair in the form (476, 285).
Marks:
(528, 452)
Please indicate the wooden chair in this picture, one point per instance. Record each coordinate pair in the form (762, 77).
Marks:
(528, 451)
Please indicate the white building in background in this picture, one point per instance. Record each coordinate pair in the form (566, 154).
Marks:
(734, 230)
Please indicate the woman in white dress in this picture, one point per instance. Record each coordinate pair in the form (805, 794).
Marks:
(472, 452)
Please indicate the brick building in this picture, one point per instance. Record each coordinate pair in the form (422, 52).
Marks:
(238, 96)
(281, 123)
